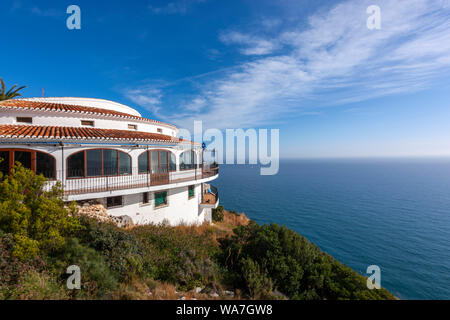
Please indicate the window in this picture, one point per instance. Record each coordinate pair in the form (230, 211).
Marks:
(132, 126)
(159, 130)
(87, 123)
(158, 161)
(94, 163)
(24, 120)
(160, 199)
(38, 162)
(110, 162)
(145, 198)
(24, 157)
(187, 160)
(172, 162)
(124, 163)
(114, 202)
(143, 163)
(76, 165)
(45, 165)
(4, 162)
(191, 192)
(97, 163)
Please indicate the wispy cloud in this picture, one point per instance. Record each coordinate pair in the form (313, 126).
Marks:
(250, 45)
(334, 60)
(147, 97)
(20, 7)
(176, 7)
(47, 12)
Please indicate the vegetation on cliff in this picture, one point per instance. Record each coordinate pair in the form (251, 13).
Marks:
(233, 258)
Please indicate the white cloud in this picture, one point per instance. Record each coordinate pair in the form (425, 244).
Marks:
(54, 13)
(176, 7)
(251, 45)
(196, 105)
(147, 97)
(335, 59)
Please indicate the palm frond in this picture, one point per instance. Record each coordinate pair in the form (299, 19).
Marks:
(3, 87)
(12, 93)
(12, 88)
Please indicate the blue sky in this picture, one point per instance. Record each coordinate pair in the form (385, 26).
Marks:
(311, 68)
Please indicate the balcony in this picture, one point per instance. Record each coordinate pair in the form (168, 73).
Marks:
(210, 196)
(83, 185)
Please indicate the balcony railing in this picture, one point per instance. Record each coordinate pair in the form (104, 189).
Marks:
(93, 184)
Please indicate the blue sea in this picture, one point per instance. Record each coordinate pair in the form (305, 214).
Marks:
(390, 213)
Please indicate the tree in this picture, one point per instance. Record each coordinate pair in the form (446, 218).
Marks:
(12, 93)
(34, 215)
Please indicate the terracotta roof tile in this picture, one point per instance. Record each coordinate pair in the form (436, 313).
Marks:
(75, 133)
(49, 106)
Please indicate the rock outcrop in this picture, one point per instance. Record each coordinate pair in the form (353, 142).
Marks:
(96, 210)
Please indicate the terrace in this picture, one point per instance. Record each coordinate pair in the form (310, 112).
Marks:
(135, 180)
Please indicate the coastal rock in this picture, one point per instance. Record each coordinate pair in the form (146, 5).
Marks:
(198, 290)
(229, 293)
(123, 221)
(96, 210)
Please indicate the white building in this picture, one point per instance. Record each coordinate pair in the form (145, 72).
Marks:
(105, 151)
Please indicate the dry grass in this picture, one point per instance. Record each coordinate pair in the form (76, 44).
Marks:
(216, 230)
(230, 221)
(155, 290)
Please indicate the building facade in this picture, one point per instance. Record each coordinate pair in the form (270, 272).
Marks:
(106, 152)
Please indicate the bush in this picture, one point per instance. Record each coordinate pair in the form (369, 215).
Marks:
(182, 258)
(281, 257)
(37, 218)
(120, 249)
(37, 286)
(217, 214)
(259, 285)
(11, 268)
(96, 277)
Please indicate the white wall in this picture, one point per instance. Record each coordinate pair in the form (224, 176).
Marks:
(179, 209)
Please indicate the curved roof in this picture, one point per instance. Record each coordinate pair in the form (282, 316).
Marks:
(89, 102)
(45, 105)
(76, 133)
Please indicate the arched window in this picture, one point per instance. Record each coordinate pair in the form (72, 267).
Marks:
(187, 160)
(98, 163)
(156, 161)
(39, 162)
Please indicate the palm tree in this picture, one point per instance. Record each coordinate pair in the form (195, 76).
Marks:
(12, 93)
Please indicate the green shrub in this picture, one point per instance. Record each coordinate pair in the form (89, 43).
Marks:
(96, 277)
(37, 286)
(11, 268)
(259, 285)
(185, 259)
(217, 214)
(36, 218)
(294, 266)
(120, 249)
